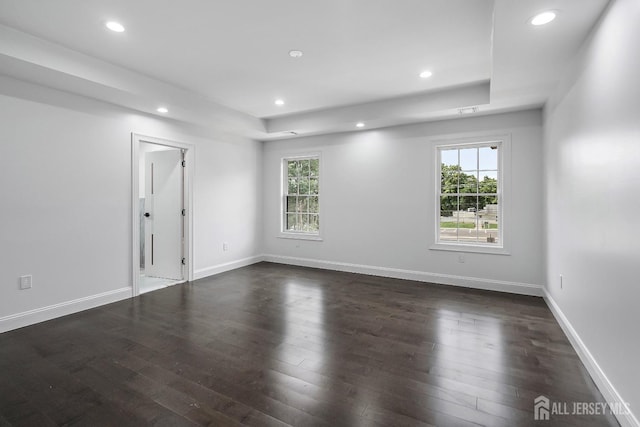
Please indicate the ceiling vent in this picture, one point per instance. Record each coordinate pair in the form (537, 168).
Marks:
(467, 110)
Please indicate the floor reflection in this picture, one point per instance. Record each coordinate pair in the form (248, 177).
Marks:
(304, 334)
(468, 347)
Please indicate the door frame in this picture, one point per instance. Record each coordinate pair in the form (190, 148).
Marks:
(136, 139)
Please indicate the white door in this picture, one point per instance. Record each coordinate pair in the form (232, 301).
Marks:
(163, 211)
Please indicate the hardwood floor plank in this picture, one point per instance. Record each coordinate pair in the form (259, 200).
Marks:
(276, 345)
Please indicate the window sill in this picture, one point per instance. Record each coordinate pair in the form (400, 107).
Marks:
(465, 247)
(300, 236)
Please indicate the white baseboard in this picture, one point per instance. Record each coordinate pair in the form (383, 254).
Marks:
(605, 386)
(43, 314)
(221, 268)
(420, 276)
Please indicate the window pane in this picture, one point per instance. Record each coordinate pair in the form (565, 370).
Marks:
(304, 167)
(313, 186)
(309, 227)
(469, 206)
(492, 237)
(467, 235)
(292, 168)
(293, 186)
(314, 206)
(467, 219)
(489, 225)
(468, 182)
(303, 204)
(469, 159)
(487, 203)
(449, 157)
(303, 185)
(488, 158)
(488, 183)
(291, 203)
(314, 166)
(449, 225)
(448, 206)
(303, 222)
(314, 223)
(489, 213)
(449, 177)
(291, 222)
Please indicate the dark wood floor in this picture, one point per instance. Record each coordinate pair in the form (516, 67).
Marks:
(272, 345)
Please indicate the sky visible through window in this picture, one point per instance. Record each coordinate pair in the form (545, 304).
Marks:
(469, 158)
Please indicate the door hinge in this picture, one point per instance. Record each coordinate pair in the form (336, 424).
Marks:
(184, 261)
(184, 163)
(184, 212)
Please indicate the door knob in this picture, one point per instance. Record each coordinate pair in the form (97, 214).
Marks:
(147, 214)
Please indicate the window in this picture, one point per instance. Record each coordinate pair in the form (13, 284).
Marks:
(469, 194)
(301, 199)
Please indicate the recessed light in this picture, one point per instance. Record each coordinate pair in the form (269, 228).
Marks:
(543, 18)
(115, 26)
(359, 125)
(426, 74)
(295, 53)
(162, 110)
(279, 102)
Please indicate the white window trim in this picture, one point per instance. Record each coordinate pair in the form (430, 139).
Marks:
(504, 196)
(299, 235)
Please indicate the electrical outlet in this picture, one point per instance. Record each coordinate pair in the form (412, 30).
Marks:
(561, 281)
(225, 246)
(26, 282)
(461, 258)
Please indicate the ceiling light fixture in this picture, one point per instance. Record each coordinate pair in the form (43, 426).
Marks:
(115, 26)
(426, 74)
(543, 18)
(359, 125)
(279, 102)
(295, 53)
(162, 110)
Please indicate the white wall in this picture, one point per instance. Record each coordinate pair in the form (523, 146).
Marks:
(65, 189)
(377, 203)
(592, 158)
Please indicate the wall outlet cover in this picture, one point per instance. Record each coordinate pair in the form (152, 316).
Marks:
(26, 282)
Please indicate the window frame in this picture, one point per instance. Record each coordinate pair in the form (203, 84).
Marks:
(504, 194)
(284, 185)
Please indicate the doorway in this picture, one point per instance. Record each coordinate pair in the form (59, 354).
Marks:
(161, 213)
